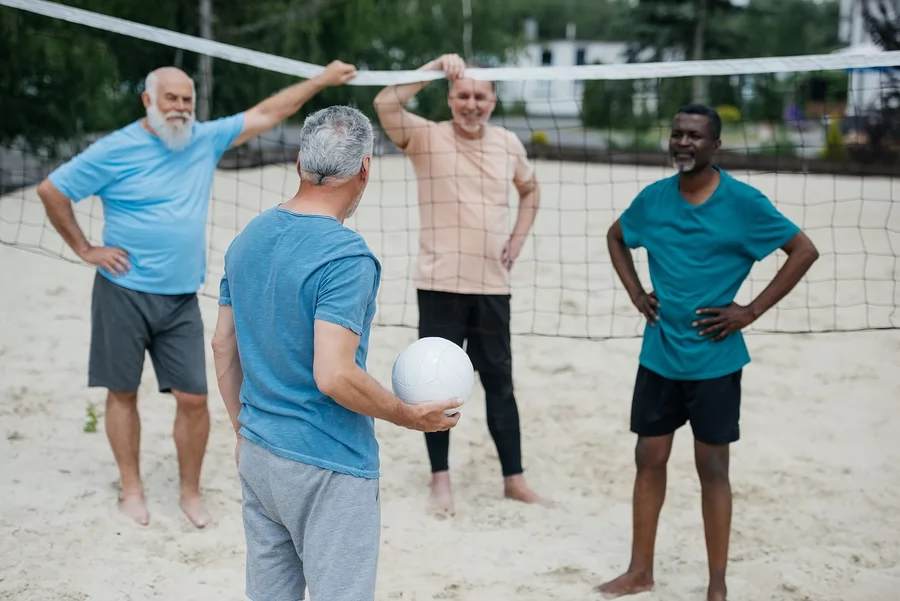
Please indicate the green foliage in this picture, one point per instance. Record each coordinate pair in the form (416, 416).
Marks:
(65, 79)
(608, 103)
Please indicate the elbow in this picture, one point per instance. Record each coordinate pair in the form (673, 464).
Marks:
(813, 252)
(222, 346)
(330, 379)
(45, 191)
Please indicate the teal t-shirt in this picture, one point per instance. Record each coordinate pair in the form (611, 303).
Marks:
(283, 272)
(699, 256)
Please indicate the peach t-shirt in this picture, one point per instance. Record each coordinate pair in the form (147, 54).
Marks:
(464, 189)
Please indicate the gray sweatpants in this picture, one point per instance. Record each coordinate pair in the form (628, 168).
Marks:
(307, 527)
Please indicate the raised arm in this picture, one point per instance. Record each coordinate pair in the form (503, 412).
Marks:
(397, 122)
(278, 107)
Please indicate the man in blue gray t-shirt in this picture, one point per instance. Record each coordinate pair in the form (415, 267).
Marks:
(703, 231)
(296, 304)
(154, 177)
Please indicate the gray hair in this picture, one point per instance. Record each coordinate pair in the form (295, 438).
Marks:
(333, 143)
(151, 84)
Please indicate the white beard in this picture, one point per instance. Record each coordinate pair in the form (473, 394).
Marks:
(174, 136)
(684, 167)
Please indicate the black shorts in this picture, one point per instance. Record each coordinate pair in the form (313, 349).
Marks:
(481, 321)
(660, 406)
(126, 324)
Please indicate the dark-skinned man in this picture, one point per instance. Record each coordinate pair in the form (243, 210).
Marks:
(703, 230)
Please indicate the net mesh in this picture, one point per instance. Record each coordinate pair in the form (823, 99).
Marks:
(818, 135)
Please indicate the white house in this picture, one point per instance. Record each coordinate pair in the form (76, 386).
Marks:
(864, 90)
(561, 98)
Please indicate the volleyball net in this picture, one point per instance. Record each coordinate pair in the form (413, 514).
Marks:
(819, 135)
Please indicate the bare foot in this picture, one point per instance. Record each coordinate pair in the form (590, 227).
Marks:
(441, 493)
(716, 592)
(515, 488)
(629, 583)
(133, 506)
(195, 510)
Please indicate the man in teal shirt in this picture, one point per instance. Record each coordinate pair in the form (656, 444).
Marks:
(703, 231)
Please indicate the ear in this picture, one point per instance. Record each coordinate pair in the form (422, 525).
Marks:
(364, 172)
(298, 163)
(145, 99)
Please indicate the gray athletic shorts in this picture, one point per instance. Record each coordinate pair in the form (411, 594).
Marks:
(307, 527)
(126, 324)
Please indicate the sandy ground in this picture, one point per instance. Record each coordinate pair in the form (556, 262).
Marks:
(816, 476)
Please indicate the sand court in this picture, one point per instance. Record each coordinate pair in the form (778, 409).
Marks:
(816, 477)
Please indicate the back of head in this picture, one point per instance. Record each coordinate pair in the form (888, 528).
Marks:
(334, 143)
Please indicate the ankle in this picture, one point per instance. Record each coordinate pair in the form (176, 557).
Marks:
(442, 477)
(132, 490)
(641, 570)
(189, 493)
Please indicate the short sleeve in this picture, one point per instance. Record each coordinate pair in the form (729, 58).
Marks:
(87, 173)
(347, 287)
(420, 134)
(767, 228)
(224, 292)
(524, 170)
(225, 131)
(633, 220)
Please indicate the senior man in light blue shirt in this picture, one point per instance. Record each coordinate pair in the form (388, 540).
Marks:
(154, 177)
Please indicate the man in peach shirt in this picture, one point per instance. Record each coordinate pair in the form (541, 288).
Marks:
(467, 170)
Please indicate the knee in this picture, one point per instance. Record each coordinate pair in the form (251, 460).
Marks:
(712, 466)
(191, 403)
(651, 455)
(121, 398)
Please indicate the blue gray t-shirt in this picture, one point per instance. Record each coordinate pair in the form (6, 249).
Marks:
(282, 272)
(699, 255)
(155, 200)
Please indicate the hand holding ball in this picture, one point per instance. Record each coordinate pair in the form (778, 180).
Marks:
(433, 369)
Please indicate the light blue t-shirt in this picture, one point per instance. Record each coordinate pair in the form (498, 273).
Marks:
(698, 257)
(155, 200)
(282, 272)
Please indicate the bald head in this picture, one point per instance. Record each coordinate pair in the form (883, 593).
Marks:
(168, 97)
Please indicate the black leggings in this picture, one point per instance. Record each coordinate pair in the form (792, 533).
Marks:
(483, 322)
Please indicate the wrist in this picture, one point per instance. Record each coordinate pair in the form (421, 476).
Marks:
(82, 250)
(404, 415)
(636, 293)
(755, 310)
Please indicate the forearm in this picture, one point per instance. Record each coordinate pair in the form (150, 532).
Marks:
(528, 208)
(623, 263)
(394, 97)
(59, 212)
(285, 103)
(230, 377)
(356, 390)
(790, 274)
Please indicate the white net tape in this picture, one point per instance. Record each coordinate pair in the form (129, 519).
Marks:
(744, 66)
